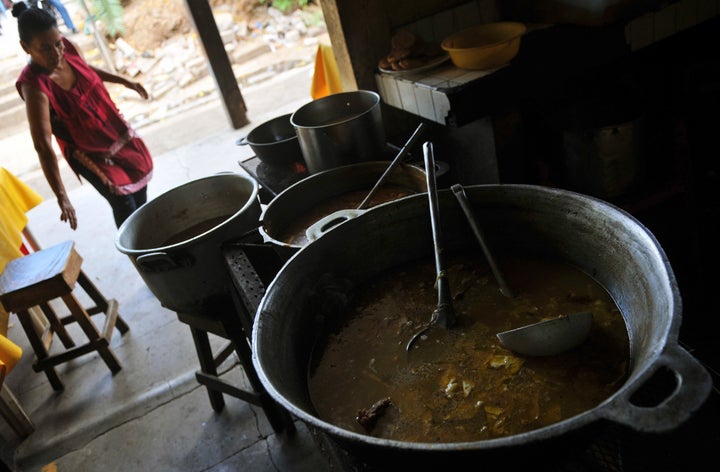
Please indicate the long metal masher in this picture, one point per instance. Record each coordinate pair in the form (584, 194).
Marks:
(444, 315)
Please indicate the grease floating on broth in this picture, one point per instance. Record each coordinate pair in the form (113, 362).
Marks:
(461, 385)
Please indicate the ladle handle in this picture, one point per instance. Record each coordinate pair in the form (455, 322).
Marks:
(464, 202)
(443, 285)
(399, 157)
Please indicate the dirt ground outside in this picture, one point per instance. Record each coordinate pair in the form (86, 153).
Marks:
(149, 23)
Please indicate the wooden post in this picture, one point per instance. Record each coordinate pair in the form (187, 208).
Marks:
(205, 25)
(355, 29)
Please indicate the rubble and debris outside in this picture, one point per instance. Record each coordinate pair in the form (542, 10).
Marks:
(175, 72)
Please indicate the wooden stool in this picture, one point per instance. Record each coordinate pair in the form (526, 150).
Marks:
(38, 278)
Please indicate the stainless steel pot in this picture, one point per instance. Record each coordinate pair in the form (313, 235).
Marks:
(274, 142)
(174, 240)
(618, 251)
(302, 197)
(340, 129)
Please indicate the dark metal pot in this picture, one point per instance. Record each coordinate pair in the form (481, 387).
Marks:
(274, 142)
(602, 240)
(302, 197)
(340, 129)
(174, 240)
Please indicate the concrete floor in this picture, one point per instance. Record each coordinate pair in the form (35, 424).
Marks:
(152, 415)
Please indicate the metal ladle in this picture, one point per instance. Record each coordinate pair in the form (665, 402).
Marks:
(546, 338)
(549, 337)
(444, 315)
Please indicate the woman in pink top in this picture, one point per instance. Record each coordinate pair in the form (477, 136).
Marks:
(66, 97)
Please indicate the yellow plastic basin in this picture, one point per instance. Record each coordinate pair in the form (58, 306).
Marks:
(485, 46)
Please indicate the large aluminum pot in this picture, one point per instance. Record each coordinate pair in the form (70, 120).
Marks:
(174, 240)
(618, 251)
(340, 129)
(304, 196)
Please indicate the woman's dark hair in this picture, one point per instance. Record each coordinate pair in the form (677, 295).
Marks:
(32, 20)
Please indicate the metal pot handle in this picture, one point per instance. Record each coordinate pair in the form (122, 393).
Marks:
(325, 224)
(242, 141)
(693, 384)
(163, 262)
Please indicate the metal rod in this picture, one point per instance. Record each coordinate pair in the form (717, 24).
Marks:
(409, 144)
(464, 202)
(99, 39)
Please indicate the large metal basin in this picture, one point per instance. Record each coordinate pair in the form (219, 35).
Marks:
(605, 242)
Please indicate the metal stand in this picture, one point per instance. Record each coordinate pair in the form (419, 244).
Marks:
(234, 322)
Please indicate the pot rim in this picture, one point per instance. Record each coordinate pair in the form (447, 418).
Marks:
(251, 142)
(252, 198)
(256, 144)
(334, 97)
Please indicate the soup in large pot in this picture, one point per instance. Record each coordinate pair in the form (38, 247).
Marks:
(460, 384)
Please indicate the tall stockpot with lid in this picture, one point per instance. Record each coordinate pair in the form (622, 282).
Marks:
(340, 129)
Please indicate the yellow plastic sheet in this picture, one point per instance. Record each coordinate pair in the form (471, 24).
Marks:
(10, 353)
(326, 78)
(16, 198)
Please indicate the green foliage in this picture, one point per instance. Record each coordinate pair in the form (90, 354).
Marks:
(286, 5)
(110, 14)
(314, 19)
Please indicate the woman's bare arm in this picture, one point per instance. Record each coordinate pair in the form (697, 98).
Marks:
(37, 107)
(106, 76)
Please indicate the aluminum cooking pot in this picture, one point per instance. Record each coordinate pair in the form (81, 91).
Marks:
(174, 241)
(274, 142)
(340, 129)
(600, 239)
(303, 197)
